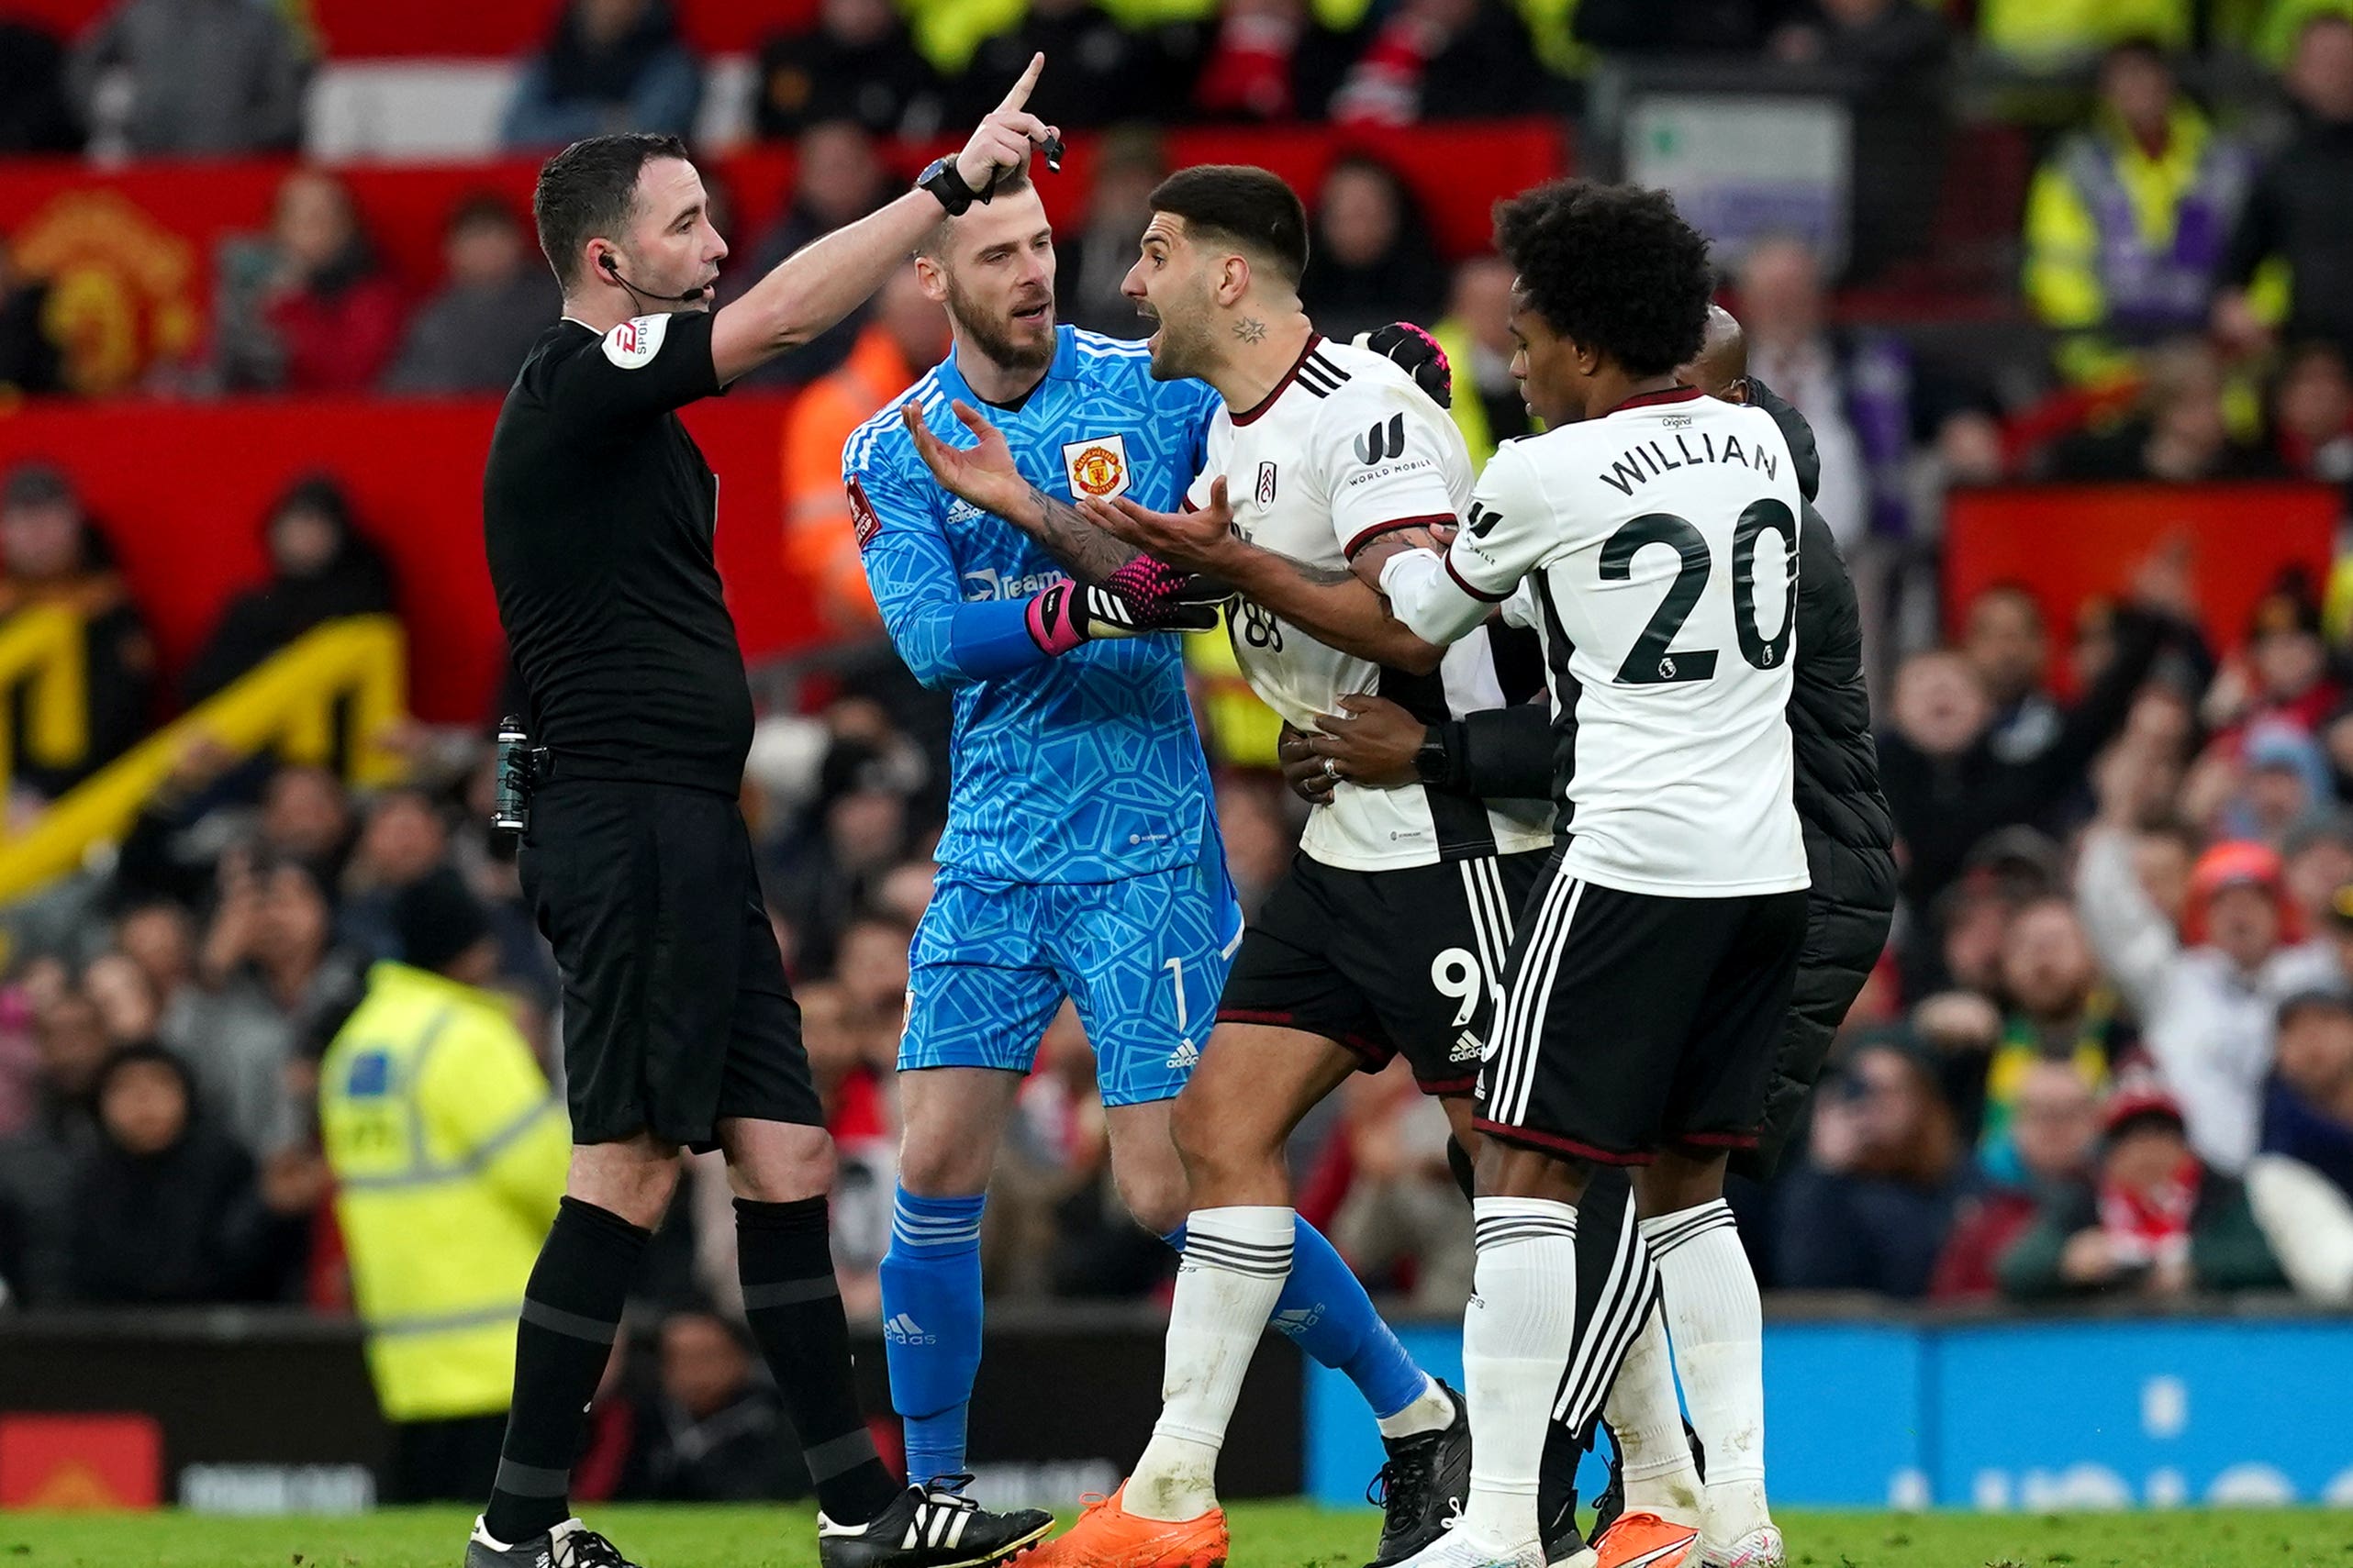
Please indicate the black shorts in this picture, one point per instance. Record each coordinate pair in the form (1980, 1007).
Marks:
(1385, 961)
(675, 1010)
(1632, 1022)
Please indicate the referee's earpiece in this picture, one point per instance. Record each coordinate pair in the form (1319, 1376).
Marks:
(613, 267)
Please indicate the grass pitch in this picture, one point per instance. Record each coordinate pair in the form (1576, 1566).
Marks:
(1276, 1535)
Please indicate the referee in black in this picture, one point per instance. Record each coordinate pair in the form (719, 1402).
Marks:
(679, 1031)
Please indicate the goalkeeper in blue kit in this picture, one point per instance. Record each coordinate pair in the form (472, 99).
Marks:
(1082, 857)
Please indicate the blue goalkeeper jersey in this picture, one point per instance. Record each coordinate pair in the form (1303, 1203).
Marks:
(1084, 768)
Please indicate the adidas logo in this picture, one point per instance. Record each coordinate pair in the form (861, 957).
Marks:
(1188, 1054)
(905, 1330)
(1299, 1320)
(1466, 1049)
(935, 1525)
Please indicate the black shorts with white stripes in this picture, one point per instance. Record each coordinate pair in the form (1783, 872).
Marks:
(1632, 1022)
(1386, 962)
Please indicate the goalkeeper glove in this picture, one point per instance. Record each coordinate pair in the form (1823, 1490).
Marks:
(1142, 598)
(1416, 353)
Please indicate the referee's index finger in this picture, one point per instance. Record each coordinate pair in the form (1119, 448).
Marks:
(1021, 93)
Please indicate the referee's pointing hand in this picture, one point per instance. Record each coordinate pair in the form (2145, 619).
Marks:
(1006, 135)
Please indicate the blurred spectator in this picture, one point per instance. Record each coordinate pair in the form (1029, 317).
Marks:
(35, 116)
(308, 308)
(449, 1153)
(1441, 59)
(851, 1053)
(712, 1433)
(2208, 994)
(2301, 1183)
(2311, 414)
(321, 568)
(838, 178)
(850, 839)
(1944, 781)
(174, 850)
(167, 1209)
(52, 555)
(1370, 261)
(1093, 258)
(2127, 220)
(907, 336)
(2289, 245)
(872, 971)
(1104, 72)
(2153, 1222)
(1401, 1224)
(1477, 334)
(1870, 1206)
(1259, 839)
(2054, 1128)
(613, 65)
(2004, 640)
(2178, 434)
(32, 361)
(2281, 678)
(39, 1160)
(403, 841)
(1783, 308)
(2060, 1011)
(2316, 860)
(473, 335)
(856, 64)
(1889, 56)
(182, 77)
(275, 989)
(1268, 59)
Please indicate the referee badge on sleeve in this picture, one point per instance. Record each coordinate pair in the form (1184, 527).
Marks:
(634, 344)
(864, 521)
(1096, 467)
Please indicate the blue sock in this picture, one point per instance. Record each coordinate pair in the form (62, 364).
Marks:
(930, 1303)
(1324, 1307)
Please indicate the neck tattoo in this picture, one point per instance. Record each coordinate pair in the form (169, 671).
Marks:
(1250, 330)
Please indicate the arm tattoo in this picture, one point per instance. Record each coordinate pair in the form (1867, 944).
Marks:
(1086, 552)
(1250, 330)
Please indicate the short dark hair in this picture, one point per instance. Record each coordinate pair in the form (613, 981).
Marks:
(586, 190)
(1612, 268)
(1250, 208)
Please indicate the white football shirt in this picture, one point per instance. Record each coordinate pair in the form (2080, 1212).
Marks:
(1660, 544)
(1344, 450)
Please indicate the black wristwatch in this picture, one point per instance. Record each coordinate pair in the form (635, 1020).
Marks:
(1432, 764)
(940, 178)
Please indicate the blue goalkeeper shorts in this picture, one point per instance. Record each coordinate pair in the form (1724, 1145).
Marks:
(1144, 958)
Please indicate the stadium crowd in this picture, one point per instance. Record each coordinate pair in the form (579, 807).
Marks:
(2110, 1050)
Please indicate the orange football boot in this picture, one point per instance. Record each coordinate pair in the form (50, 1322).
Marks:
(1108, 1535)
(1645, 1541)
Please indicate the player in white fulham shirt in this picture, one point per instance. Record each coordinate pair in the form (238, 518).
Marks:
(1388, 935)
(1657, 530)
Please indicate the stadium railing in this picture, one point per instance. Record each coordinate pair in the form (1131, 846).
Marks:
(324, 699)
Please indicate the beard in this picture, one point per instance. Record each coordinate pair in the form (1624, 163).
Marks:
(1187, 343)
(992, 332)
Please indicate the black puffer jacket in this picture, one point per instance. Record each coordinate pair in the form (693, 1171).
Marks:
(1849, 835)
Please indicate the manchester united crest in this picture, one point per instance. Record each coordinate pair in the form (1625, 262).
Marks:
(1098, 467)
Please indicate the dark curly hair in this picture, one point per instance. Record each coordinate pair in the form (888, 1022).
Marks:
(1612, 268)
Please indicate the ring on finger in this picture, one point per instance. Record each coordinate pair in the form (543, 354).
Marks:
(1332, 769)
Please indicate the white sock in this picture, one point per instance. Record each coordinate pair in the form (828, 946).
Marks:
(1647, 1421)
(1432, 1412)
(1516, 1336)
(1235, 1264)
(1718, 1324)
